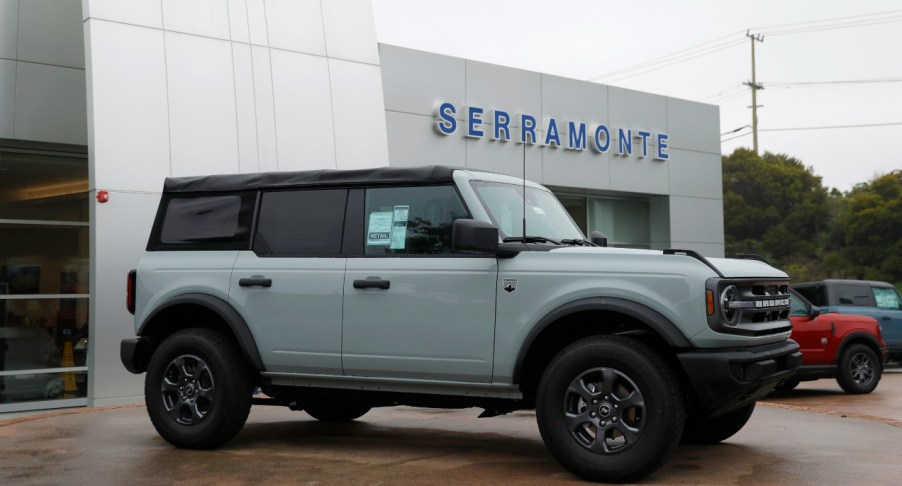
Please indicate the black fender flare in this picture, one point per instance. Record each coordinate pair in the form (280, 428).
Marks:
(666, 329)
(226, 312)
(858, 336)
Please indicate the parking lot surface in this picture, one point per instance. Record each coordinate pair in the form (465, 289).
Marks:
(815, 435)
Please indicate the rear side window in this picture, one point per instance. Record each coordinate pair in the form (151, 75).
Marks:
(301, 223)
(857, 295)
(216, 222)
(815, 294)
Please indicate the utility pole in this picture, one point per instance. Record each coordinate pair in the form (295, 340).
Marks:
(755, 87)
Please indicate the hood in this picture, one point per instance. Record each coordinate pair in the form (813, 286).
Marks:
(729, 267)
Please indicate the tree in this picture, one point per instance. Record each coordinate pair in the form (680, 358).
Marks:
(774, 206)
(871, 229)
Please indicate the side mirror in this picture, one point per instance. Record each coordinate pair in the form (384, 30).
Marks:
(474, 236)
(598, 238)
(814, 311)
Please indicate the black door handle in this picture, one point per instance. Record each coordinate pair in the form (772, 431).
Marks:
(372, 283)
(255, 282)
(886, 318)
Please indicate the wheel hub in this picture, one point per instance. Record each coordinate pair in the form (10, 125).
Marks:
(187, 389)
(605, 409)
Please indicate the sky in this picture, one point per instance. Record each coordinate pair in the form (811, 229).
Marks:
(700, 53)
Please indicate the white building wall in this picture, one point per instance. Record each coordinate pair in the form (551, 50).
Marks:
(179, 88)
(42, 71)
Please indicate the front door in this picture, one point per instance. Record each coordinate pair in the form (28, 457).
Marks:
(413, 307)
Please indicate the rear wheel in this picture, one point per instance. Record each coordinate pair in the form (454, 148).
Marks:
(197, 389)
(859, 370)
(717, 429)
(609, 409)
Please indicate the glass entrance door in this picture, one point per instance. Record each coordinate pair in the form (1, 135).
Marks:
(44, 268)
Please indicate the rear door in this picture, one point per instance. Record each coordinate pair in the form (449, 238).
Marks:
(414, 308)
(289, 287)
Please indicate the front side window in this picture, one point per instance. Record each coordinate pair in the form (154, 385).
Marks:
(301, 223)
(815, 294)
(796, 305)
(411, 220)
(545, 217)
(887, 298)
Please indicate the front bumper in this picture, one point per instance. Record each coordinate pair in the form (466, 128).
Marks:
(726, 379)
(135, 353)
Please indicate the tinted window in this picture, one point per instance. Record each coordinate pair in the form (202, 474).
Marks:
(814, 293)
(887, 298)
(206, 220)
(850, 294)
(411, 220)
(301, 223)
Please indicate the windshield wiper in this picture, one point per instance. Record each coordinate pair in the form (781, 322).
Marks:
(530, 239)
(577, 241)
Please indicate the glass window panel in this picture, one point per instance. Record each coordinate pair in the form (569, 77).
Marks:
(36, 259)
(43, 387)
(857, 295)
(578, 210)
(43, 333)
(43, 187)
(301, 223)
(625, 222)
(887, 298)
(411, 220)
(201, 218)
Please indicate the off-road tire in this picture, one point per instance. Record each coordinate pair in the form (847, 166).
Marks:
(717, 429)
(625, 370)
(859, 370)
(221, 386)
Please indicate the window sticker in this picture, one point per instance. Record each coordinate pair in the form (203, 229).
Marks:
(538, 210)
(886, 298)
(399, 228)
(379, 232)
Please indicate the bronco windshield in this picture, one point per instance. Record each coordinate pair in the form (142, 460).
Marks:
(545, 217)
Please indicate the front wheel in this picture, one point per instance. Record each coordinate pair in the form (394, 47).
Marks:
(609, 409)
(859, 370)
(197, 389)
(717, 429)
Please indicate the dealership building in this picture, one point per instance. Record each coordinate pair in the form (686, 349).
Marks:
(101, 100)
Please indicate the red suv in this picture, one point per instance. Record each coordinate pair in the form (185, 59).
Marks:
(846, 347)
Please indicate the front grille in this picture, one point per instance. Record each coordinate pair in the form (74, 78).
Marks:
(750, 307)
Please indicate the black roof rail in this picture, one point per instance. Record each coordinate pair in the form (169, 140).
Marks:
(696, 255)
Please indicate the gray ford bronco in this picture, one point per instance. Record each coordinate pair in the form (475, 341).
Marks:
(339, 291)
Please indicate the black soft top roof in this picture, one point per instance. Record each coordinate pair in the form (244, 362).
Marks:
(431, 174)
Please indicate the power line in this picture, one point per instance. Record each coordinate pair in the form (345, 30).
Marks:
(847, 25)
(834, 19)
(830, 127)
(710, 50)
(712, 46)
(737, 136)
(664, 58)
(780, 84)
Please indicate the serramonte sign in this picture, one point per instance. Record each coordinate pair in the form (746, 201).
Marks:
(499, 125)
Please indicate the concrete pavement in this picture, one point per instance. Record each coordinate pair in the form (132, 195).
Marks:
(801, 438)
